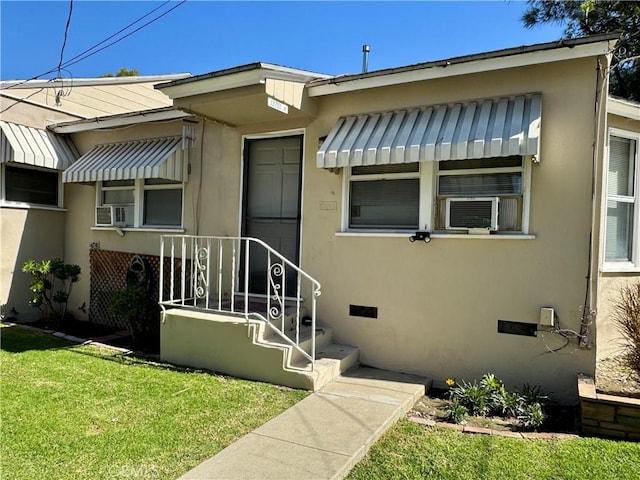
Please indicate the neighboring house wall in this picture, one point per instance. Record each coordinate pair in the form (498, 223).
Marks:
(27, 233)
(610, 341)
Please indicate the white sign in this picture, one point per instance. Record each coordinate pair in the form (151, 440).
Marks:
(276, 105)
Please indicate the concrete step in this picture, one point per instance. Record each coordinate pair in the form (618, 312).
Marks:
(331, 361)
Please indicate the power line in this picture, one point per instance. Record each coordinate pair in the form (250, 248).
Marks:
(66, 31)
(85, 54)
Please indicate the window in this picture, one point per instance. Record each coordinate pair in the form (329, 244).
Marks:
(31, 186)
(146, 203)
(621, 235)
(385, 196)
(496, 179)
(416, 196)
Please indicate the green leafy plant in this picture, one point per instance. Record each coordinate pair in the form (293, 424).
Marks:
(456, 413)
(51, 285)
(135, 307)
(489, 396)
(531, 416)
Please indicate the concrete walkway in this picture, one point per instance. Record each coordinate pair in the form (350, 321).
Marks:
(324, 435)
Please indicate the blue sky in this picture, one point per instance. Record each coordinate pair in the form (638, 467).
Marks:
(203, 36)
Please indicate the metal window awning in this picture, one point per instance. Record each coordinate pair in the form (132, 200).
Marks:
(155, 158)
(34, 146)
(478, 129)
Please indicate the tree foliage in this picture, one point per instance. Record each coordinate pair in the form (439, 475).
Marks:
(123, 72)
(593, 17)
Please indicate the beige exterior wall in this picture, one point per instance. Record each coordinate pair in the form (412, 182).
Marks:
(610, 342)
(27, 233)
(439, 303)
(32, 115)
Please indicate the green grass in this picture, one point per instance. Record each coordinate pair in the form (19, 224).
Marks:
(411, 451)
(79, 412)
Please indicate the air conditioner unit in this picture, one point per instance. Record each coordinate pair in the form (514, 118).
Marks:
(472, 213)
(114, 216)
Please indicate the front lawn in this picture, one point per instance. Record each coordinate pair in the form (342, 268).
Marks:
(79, 412)
(412, 451)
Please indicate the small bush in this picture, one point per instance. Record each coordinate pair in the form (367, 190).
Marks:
(490, 397)
(134, 306)
(627, 319)
(51, 285)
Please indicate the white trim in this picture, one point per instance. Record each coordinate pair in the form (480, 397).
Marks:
(99, 81)
(296, 132)
(141, 229)
(28, 206)
(623, 108)
(407, 234)
(476, 66)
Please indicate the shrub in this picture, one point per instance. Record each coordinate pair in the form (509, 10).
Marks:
(490, 397)
(51, 285)
(627, 319)
(140, 312)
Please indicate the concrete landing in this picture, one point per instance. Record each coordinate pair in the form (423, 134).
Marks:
(324, 435)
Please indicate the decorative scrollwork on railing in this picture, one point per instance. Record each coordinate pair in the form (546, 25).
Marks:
(200, 280)
(276, 277)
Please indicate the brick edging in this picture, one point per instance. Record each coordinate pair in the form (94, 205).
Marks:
(488, 431)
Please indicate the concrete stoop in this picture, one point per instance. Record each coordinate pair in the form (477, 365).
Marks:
(224, 343)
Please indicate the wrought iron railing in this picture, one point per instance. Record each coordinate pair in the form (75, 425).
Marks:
(245, 277)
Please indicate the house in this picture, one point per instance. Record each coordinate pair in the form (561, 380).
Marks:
(447, 219)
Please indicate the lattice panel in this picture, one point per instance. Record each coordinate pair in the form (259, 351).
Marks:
(108, 274)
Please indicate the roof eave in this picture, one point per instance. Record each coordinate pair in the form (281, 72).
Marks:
(501, 59)
(236, 77)
(624, 108)
(119, 120)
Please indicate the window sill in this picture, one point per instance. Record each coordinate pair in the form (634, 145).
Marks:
(141, 229)
(28, 206)
(459, 236)
(622, 267)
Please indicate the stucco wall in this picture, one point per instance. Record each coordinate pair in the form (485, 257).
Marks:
(439, 303)
(27, 233)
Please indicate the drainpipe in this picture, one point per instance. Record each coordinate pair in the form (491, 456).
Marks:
(365, 58)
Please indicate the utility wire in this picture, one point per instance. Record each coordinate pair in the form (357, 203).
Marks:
(64, 41)
(77, 58)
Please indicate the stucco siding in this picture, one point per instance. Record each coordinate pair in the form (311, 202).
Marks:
(27, 233)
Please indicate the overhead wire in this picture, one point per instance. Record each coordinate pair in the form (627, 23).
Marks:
(66, 32)
(88, 52)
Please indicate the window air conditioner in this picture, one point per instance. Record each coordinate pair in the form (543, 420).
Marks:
(114, 216)
(471, 213)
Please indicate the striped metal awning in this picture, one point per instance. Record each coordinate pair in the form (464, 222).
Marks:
(34, 146)
(155, 158)
(479, 129)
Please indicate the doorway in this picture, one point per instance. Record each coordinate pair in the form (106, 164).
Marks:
(271, 207)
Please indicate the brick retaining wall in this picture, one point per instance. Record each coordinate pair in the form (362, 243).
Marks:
(607, 415)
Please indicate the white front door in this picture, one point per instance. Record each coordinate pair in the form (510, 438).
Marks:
(272, 204)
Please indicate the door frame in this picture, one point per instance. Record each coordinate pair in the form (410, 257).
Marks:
(298, 132)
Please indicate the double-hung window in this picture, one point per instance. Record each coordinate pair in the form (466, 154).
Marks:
(621, 231)
(143, 203)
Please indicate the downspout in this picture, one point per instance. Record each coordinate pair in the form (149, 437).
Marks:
(589, 309)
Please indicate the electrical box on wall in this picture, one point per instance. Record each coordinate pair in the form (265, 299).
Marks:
(547, 317)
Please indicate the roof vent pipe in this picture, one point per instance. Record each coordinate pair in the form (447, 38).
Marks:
(365, 58)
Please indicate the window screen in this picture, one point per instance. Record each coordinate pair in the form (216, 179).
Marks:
(163, 207)
(385, 203)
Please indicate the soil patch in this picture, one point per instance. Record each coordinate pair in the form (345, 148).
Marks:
(615, 378)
